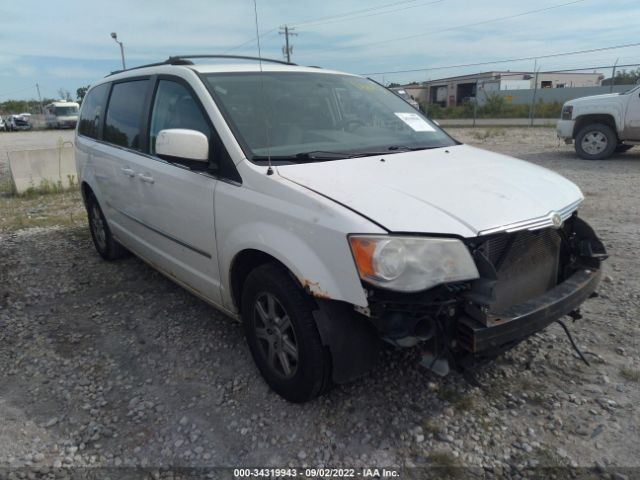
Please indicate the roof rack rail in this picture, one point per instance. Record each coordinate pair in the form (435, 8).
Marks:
(240, 57)
(186, 60)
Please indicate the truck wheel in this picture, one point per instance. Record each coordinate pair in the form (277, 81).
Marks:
(282, 335)
(596, 141)
(105, 244)
(621, 148)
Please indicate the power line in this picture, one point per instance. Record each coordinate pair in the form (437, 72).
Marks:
(329, 17)
(250, 40)
(346, 17)
(352, 12)
(511, 60)
(483, 22)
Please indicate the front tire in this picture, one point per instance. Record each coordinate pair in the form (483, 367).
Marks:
(596, 141)
(282, 335)
(103, 240)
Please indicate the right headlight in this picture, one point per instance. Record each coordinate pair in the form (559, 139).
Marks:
(411, 264)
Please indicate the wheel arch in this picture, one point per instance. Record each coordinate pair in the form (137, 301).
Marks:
(341, 329)
(584, 120)
(242, 265)
(85, 191)
(324, 275)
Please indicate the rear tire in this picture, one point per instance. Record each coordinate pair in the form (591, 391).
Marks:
(283, 336)
(103, 240)
(596, 141)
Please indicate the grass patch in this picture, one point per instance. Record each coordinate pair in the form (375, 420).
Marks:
(631, 374)
(489, 133)
(42, 209)
(548, 458)
(460, 401)
(447, 465)
(47, 187)
(432, 428)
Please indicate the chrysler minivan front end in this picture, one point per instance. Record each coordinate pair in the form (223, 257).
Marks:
(329, 216)
(481, 250)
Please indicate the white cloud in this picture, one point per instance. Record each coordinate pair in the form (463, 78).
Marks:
(73, 72)
(72, 42)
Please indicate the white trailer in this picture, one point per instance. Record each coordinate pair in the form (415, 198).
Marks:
(61, 114)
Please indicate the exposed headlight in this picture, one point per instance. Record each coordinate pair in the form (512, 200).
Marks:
(567, 112)
(411, 264)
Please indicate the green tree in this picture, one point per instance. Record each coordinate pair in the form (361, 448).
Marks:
(81, 92)
(624, 77)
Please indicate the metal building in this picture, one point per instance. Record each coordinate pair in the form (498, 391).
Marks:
(454, 91)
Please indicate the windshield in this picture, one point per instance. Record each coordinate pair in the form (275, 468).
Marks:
(294, 114)
(66, 111)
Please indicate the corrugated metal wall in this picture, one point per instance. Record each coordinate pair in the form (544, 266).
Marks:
(561, 95)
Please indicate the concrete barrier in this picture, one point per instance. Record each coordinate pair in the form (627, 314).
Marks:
(43, 169)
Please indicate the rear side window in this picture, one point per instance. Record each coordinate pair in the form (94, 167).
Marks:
(123, 124)
(175, 107)
(92, 110)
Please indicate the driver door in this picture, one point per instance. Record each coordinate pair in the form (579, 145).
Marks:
(175, 204)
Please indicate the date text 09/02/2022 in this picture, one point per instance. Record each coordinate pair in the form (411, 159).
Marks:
(315, 473)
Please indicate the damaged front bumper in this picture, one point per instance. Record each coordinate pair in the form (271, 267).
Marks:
(523, 320)
(528, 280)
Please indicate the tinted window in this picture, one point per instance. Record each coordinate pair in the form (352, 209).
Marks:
(92, 110)
(175, 107)
(124, 115)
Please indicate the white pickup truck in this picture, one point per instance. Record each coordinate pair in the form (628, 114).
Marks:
(601, 125)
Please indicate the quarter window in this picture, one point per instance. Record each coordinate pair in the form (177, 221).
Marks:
(175, 107)
(92, 110)
(123, 123)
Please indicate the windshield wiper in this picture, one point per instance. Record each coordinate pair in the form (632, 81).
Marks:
(325, 156)
(312, 156)
(408, 149)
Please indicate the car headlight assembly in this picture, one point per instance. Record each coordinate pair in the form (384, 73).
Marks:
(567, 112)
(411, 264)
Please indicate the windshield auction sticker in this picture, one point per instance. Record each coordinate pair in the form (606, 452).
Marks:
(415, 121)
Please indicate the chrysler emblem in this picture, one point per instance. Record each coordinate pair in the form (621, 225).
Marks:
(556, 220)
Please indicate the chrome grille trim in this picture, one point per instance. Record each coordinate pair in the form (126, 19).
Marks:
(537, 223)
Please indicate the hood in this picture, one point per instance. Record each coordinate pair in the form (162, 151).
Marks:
(458, 190)
(580, 100)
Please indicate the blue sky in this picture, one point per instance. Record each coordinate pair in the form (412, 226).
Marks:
(67, 44)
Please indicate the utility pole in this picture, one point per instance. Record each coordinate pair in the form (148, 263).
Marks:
(613, 75)
(287, 50)
(533, 99)
(40, 98)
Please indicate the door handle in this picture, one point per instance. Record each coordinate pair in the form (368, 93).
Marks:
(128, 171)
(146, 178)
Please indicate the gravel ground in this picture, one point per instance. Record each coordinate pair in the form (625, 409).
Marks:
(112, 365)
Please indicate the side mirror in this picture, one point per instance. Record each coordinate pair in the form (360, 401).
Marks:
(176, 144)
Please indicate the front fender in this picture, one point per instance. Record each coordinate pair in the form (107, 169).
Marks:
(301, 229)
(326, 269)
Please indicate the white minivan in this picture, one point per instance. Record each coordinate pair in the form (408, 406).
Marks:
(329, 216)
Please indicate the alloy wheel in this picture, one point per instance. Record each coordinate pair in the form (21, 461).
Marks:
(276, 337)
(97, 226)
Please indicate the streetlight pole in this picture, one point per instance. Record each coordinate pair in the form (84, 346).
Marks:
(114, 35)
